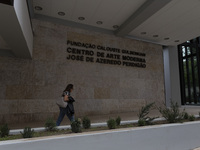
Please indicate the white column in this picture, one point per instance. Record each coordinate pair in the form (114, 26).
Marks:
(172, 77)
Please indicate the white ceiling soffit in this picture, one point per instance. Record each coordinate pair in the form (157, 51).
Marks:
(149, 8)
(110, 12)
(173, 23)
(176, 23)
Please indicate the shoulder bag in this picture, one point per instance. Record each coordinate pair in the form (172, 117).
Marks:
(61, 103)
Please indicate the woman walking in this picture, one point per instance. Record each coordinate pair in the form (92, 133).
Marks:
(69, 110)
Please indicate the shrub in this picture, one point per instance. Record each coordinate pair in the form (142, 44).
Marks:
(186, 116)
(86, 123)
(76, 126)
(172, 114)
(111, 123)
(191, 118)
(118, 120)
(143, 114)
(28, 132)
(141, 122)
(4, 130)
(50, 124)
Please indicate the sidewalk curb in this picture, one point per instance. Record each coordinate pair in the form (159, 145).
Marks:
(103, 124)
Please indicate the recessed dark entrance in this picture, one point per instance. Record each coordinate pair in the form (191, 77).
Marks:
(190, 71)
(8, 2)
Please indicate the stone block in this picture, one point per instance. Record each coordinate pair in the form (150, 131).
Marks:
(15, 92)
(2, 92)
(8, 107)
(9, 77)
(102, 93)
(128, 93)
(83, 92)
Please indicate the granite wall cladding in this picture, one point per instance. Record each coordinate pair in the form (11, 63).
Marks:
(29, 88)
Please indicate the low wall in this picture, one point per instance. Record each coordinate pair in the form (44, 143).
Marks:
(165, 137)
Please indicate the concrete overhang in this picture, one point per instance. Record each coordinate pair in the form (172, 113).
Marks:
(149, 8)
(15, 29)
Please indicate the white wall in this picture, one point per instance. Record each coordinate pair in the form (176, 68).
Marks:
(22, 13)
(172, 77)
(165, 137)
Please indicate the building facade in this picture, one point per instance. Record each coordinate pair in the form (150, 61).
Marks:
(110, 74)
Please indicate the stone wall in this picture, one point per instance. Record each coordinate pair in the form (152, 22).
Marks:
(29, 88)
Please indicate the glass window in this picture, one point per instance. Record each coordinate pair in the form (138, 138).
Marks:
(194, 50)
(190, 70)
(188, 51)
(183, 51)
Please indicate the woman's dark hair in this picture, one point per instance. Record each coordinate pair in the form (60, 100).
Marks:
(68, 88)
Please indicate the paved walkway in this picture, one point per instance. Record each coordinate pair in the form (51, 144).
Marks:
(103, 118)
(49, 139)
(103, 124)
